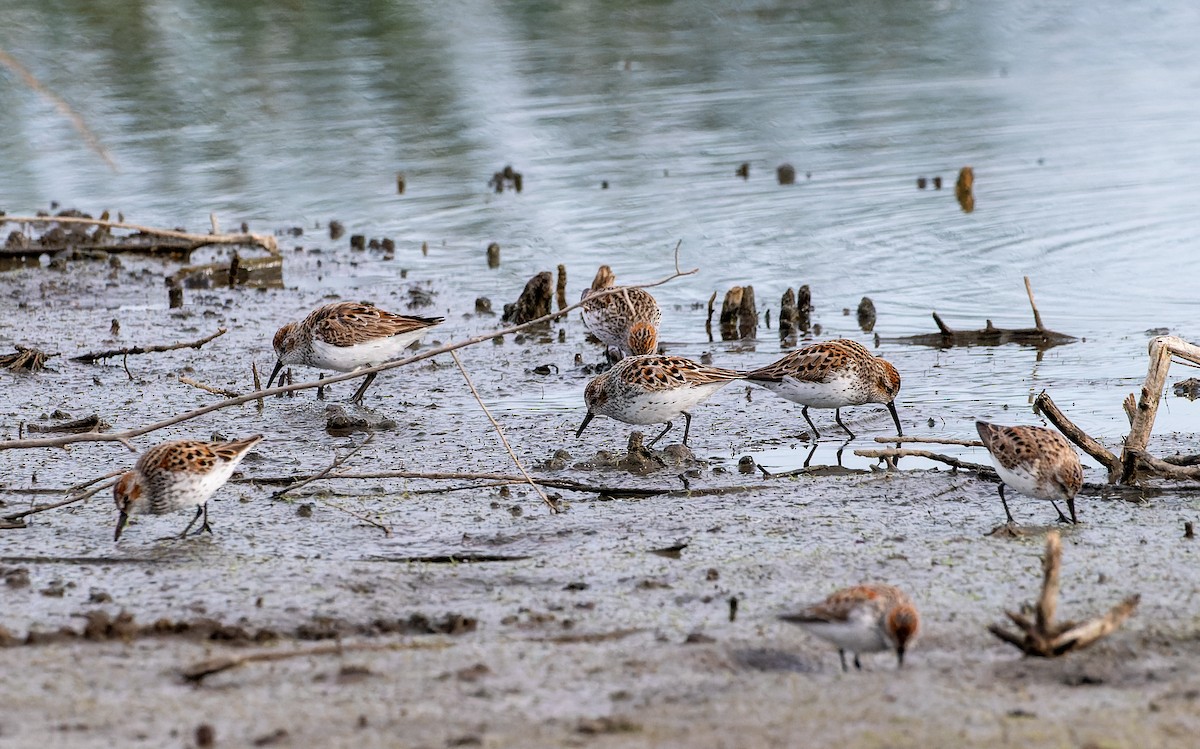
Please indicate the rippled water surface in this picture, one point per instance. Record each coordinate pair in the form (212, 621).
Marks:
(1079, 123)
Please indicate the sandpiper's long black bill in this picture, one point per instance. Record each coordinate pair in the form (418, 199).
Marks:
(586, 420)
(121, 523)
(275, 372)
(896, 418)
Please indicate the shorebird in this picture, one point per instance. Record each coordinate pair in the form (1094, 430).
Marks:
(653, 389)
(177, 476)
(863, 619)
(613, 317)
(345, 336)
(1035, 461)
(832, 374)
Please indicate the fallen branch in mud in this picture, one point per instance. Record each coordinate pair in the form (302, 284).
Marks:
(209, 388)
(497, 479)
(1044, 405)
(1162, 349)
(25, 359)
(198, 671)
(72, 499)
(125, 436)
(504, 440)
(160, 239)
(889, 456)
(990, 335)
(337, 462)
(94, 357)
(91, 423)
(1043, 637)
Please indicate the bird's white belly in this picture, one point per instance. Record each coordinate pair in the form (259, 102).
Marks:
(658, 407)
(1023, 478)
(836, 393)
(366, 354)
(857, 637)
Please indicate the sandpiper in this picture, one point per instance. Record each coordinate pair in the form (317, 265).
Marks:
(345, 336)
(1034, 461)
(653, 389)
(612, 317)
(832, 374)
(177, 476)
(863, 619)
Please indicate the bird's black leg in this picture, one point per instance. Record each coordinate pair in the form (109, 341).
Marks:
(1061, 517)
(1005, 503)
(816, 434)
(837, 416)
(1071, 507)
(687, 426)
(856, 663)
(199, 512)
(660, 435)
(842, 655)
(358, 394)
(206, 526)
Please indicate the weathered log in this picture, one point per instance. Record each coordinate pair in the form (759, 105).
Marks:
(144, 239)
(1162, 349)
(534, 301)
(739, 316)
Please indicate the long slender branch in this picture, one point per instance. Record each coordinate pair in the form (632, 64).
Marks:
(22, 444)
(905, 453)
(130, 350)
(266, 241)
(500, 432)
(197, 671)
(931, 441)
(76, 119)
(69, 500)
(1044, 405)
(337, 463)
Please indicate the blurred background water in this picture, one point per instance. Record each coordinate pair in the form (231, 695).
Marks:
(1078, 119)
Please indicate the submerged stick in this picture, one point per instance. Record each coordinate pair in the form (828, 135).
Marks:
(932, 441)
(15, 516)
(92, 358)
(125, 436)
(500, 432)
(893, 453)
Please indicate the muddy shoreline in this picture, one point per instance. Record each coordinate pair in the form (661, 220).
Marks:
(585, 633)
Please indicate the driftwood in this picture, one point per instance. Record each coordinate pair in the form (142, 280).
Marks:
(1042, 636)
(795, 312)
(144, 239)
(92, 358)
(1162, 349)
(25, 359)
(964, 190)
(125, 436)
(889, 456)
(1038, 336)
(534, 302)
(1045, 406)
(196, 672)
(91, 423)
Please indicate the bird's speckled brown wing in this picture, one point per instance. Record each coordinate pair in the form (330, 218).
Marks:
(192, 456)
(661, 372)
(816, 363)
(350, 323)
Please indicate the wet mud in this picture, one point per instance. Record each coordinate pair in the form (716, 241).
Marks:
(641, 615)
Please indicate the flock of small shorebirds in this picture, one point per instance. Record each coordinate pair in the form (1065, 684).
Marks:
(643, 387)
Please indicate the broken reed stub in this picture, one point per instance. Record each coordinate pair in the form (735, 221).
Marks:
(534, 302)
(739, 316)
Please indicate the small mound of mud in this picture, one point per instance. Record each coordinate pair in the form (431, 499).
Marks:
(640, 460)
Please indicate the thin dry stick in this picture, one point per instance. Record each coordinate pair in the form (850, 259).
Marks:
(257, 382)
(932, 441)
(498, 478)
(1037, 316)
(125, 436)
(500, 432)
(893, 453)
(76, 119)
(209, 388)
(69, 500)
(93, 357)
(337, 463)
(266, 241)
(197, 671)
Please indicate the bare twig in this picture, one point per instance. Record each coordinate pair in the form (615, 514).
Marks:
(932, 441)
(61, 105)
(266, 241)
(1037, 316)
(198, 671)
(500, 433)
(1044, 405)
(209, 388)
(98, 355)
(337, 463)
(257, 383)
(69, 500)
(1162, 349)
(24, 444)
(893, 453)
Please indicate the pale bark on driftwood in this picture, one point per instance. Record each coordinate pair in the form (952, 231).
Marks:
(92, 358)
(146, 239)
(1043, 637)
(1046, 407)
(1142, 416)
(1038, 336)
